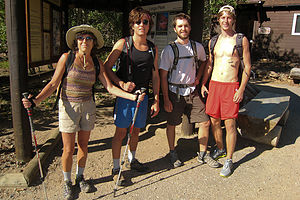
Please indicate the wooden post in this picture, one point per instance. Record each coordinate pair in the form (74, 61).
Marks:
(197, 15)
(16, 39)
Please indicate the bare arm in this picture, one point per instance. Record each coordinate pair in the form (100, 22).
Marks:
(155, 85)
(206, 73)
(111, 60)
(246, 72)
(200, 72)
(52, 85)
(112, 88)
(165, 90)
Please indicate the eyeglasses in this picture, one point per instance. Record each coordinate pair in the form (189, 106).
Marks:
(145, 22)
(81, 38)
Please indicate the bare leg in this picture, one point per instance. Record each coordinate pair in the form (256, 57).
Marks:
(171, 136)
(82, 142)
(134, 139)
(203, 135)
(231, 135)
(117, 142)
(68, 150)
(217, 132)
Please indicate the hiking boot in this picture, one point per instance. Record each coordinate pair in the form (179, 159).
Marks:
(136, 165)
(115, 174)
(227, 168)
(175, 160)
(208, 160)
(217, 153)
(68, 190)
(82, 184)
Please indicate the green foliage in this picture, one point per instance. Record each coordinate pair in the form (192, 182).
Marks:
(3, 41)
(211, 10)
(107, 22)
(4, 64)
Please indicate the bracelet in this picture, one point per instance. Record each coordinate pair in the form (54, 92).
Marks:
(31, 101)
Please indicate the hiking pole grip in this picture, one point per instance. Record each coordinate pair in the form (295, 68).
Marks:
(142, 90)
(29, 112)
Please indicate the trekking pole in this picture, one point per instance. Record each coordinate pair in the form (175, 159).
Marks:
(128, 139)
(29, 112)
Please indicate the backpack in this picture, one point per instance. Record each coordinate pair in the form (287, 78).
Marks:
(175, 62)
(123, 70)
(238, 46)
(69, 62)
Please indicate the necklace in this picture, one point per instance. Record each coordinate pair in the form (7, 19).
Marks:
(84, 63)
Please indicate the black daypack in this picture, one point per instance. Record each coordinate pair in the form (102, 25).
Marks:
(238, 46)
(124, 63)
(68, 64)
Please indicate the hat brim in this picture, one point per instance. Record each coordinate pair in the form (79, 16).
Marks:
(71, 33)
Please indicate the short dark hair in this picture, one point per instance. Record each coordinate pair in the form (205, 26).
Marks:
(181, 16)
(137, 14)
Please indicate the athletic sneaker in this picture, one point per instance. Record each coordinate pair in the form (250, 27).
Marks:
(227, 168)
(208, 160)
(68, 190)
(175, 160)
(136, 165)
(115, 174)
(217, 153)
(82, 184)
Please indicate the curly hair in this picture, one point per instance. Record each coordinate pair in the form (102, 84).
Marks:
(137, 14)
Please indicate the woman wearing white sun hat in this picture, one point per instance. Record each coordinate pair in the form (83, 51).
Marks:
(77, 110)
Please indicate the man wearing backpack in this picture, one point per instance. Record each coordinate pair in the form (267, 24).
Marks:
(179, 77)
(225, 92)
(138, 66)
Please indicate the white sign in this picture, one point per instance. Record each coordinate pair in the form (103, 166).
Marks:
(162, 7)
(162, 32)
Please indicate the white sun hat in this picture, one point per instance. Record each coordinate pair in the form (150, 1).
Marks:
(227, 8)
(71, 34)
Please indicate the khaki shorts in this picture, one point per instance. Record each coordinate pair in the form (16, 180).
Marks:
(74, 116)
(191, 105)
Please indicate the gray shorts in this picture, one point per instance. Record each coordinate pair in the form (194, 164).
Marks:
(74, 116)
(191, 105)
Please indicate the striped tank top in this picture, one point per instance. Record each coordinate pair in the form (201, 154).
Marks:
(78, 85)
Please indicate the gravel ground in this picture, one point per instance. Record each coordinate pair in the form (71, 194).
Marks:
(260, 171)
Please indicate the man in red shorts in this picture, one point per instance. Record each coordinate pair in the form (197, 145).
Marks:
(225, 92)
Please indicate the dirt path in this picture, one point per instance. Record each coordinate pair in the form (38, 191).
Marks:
(261, 172)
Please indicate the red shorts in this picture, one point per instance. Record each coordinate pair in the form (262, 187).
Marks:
(219, 102)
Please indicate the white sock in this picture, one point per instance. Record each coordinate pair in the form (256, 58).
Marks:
(116, 163)
(67, 176)
(131, 155)
(79, 171)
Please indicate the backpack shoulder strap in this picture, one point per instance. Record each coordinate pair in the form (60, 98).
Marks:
(176, 55)
(68, 64)
(212, 45)
(127, 51)
(239, 44)
(97, 66)
(195, 54)
(152, 50)
(213, 42)
(239, 47)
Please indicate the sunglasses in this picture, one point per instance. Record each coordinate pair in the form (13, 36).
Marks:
(145, 22)
(81, 38)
